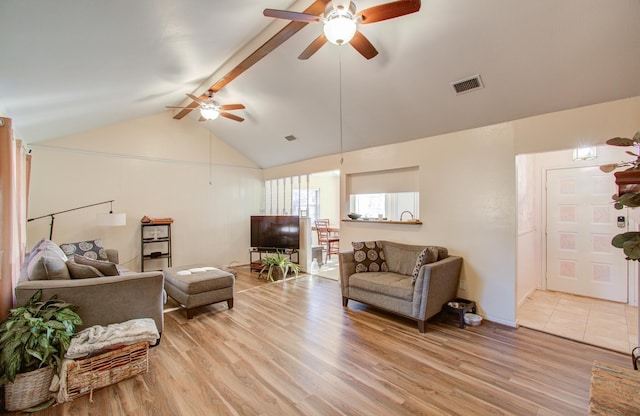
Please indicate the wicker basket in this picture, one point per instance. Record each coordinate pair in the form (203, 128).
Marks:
(84, 376)
(28, 389)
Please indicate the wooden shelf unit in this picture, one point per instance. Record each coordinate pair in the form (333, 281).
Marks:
(155, 247)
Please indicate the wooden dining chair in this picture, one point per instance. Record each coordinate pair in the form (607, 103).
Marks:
(329, 241)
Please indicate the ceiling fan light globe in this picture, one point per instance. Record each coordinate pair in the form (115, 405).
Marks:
(339, 29)
(210, 113)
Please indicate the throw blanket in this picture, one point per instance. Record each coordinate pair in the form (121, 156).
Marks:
(98, 338)
(195, 270)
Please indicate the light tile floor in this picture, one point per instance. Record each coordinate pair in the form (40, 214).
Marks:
(598, 322)
(330, 269)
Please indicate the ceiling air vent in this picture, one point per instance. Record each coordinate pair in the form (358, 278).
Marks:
(468, 84)
(290, 137)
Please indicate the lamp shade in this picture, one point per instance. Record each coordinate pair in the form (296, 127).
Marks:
(209, 112)
(111, 220)
(339, 29)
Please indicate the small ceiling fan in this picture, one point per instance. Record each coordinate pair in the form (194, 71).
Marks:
(341, 23)
(211, 110)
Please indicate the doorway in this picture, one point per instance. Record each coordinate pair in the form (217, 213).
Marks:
(309, 196)
(580, 225)
(543, 244)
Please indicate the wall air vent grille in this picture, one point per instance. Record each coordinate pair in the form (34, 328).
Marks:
(468, 84)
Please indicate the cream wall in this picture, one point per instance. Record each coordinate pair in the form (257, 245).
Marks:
(153, 166)
(529, 269)
(468, 199)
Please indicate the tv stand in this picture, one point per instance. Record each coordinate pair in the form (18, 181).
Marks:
(255, 264)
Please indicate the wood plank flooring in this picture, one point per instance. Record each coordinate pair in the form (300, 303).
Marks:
(290, 348)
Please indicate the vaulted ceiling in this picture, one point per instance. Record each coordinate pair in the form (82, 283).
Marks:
(68, 66)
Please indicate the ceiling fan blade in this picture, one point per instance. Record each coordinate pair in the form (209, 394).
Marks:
(232, 107)
(202, 119)
(295, 16)
(388, 11)
(231, 116)
(196, 99)
(362, 45)
(313, 47)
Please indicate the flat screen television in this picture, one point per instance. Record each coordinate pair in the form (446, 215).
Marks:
(275, 232)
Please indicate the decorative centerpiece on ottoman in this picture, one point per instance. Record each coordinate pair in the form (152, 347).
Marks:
(197, 285)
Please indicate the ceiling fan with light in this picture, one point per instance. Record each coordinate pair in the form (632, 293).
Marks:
(211, 110)
(341, 22)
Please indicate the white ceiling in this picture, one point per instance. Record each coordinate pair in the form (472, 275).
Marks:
(68, 66)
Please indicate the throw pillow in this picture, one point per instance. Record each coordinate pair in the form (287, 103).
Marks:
(82, 271)
(29, 256)
(91, 249)
(47, 265)
(426, 256)
(369, 256)
(37, 247)
(105, 267)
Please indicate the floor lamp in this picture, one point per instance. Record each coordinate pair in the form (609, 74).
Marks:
(103, 219)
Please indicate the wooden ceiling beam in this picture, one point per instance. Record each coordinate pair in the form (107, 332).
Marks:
(276, 40)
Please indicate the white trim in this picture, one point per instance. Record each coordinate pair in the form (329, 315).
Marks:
(148, 159)
(512, 324)
(526, 297)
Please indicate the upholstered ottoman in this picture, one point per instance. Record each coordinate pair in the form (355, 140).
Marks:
(197, 285)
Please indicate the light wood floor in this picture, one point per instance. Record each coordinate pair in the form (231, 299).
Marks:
(290, 348)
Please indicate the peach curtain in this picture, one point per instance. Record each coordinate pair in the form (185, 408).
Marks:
(15, 167)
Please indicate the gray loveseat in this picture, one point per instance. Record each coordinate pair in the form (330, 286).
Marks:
(101, 300)
(409, 280)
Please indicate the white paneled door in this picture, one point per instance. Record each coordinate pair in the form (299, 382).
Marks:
(581, 222)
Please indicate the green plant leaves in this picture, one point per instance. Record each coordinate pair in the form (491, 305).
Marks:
(629, 242)
(35, 335)
(608, 168)
(621, 141)
(630, 199)
(281, 261)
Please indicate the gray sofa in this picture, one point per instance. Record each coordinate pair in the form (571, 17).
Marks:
(100, 300)
(411, 282)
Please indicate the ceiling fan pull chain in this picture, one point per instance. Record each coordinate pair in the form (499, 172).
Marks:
(340, 84)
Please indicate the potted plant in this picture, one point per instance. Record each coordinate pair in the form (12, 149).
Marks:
(278, 265)
(33, 341)
(628, 195)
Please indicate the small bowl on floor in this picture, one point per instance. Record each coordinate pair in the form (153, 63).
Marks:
(472, 319)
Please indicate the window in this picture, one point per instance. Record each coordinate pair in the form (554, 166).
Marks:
(389, 206)
(306, 203)
(312, 196)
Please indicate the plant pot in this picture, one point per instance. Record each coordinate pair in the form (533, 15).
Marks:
(276, 273)
(628, 181)
(28, 389)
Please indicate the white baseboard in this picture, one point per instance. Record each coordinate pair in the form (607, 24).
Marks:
(526, 296)
(512, 324)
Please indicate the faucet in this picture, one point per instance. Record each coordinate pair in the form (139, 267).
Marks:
(406, 212)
